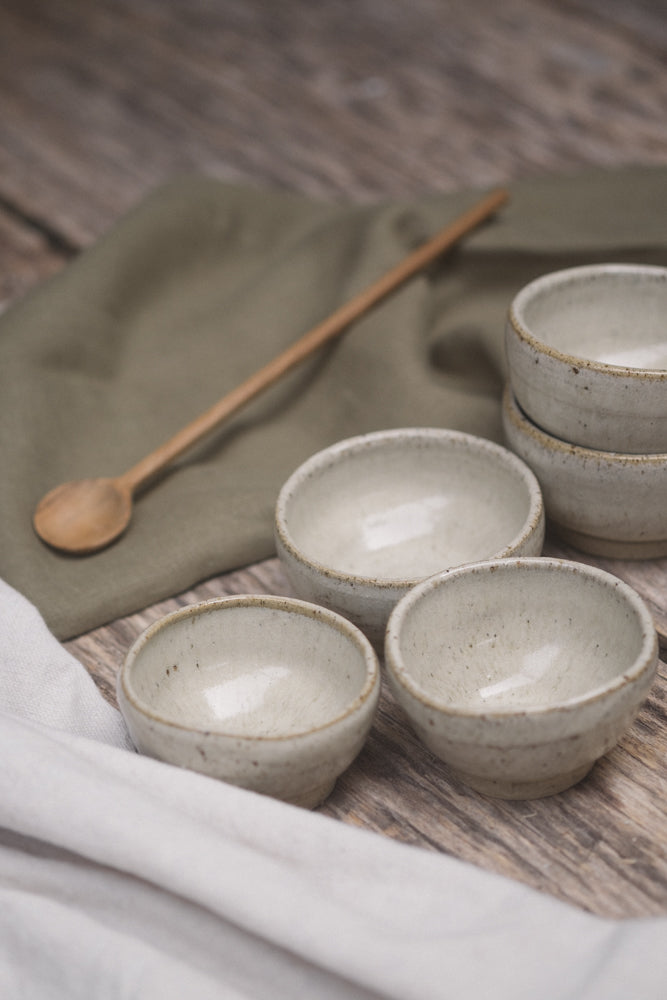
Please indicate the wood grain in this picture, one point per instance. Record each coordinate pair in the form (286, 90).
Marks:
(600, 845)
(26, 256)
(383, 98)
(377, 99)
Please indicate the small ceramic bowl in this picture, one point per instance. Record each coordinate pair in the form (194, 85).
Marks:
(602, 502)
(358, 524)
(269, 693)
(521, 673)
(587, 355)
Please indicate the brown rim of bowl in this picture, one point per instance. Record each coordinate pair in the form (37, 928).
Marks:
(574, 360)
(647, 654)
(525, 425)
(321, 459)
(287, 604)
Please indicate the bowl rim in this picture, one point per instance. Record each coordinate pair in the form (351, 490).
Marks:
(645, 660)
(516, 322)
(520, 419)
(287, 605)
(328, 456)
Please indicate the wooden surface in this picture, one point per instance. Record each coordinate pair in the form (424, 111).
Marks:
(359, 100)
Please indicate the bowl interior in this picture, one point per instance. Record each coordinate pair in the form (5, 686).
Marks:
(248, 671)
(404, 508)
(518, 638)
(615, 316)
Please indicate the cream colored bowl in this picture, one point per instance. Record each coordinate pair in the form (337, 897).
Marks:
(521, 673)
(604, 503)
(358, 524)
(272, 694)
(587, 355)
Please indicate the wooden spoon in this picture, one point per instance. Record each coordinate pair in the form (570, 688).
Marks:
(86, 515)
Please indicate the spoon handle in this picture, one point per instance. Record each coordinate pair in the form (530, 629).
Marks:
(310, 342)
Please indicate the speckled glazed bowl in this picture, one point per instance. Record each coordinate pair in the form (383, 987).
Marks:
(602, 502)
(358, 524)
(521, 673)
(587, 355)
(272, 694)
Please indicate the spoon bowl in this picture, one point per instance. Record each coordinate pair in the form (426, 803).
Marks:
(85, 515)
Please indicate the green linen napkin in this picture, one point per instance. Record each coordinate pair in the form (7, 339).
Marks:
(201, 285)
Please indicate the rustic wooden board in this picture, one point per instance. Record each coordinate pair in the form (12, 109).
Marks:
(26, 256)
(100, 102)
(600, 845)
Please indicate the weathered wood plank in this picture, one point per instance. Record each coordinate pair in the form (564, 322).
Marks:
(400, 98)
(642, 22)
(600, 845)
(100, 102)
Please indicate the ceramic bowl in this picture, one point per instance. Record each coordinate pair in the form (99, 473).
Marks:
(272, 694)
(358, 524)
(587, 355)
(521, 673)
(605, 503)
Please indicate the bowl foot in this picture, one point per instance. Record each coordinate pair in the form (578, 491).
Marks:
(314, 797)
(501, 788)
(612, 548)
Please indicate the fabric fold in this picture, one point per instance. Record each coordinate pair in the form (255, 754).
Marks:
(121, 877)
(202, 284)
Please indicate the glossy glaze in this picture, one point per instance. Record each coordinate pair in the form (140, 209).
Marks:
(521, 673)
(587, 355)
(264, 692)
(361, 522)
(604, 503)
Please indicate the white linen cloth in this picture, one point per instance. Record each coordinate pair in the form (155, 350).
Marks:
(121, 877)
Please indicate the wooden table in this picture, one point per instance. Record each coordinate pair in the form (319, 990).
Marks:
(359, 100)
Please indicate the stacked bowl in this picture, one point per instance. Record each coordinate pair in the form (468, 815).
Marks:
(517, 670)
(586, 403)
